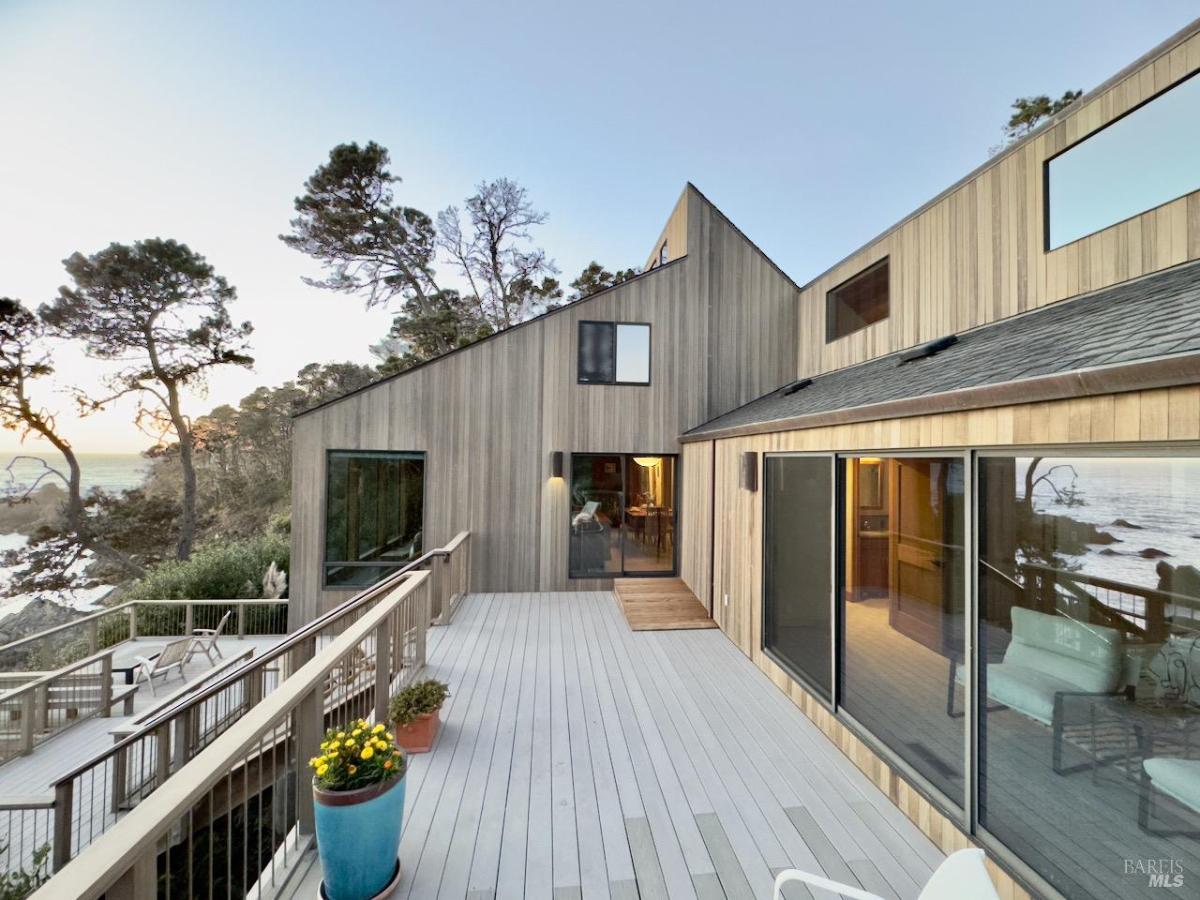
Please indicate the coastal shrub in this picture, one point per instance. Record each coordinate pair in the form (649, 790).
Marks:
(17, 882)
(225, 570)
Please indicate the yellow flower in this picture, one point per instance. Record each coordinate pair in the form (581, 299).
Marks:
(321, 770)
(390, 736)
(312, 760)
(388, 764)
(340, 735)
(352, 769)
(356, 732)
(335, 745)
(395, 753)
(368, 752)
(332, 754)
(377, 729)
(349, 742)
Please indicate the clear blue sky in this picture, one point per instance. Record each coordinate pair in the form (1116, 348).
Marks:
(813, 126)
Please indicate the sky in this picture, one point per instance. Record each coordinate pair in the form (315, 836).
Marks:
(813, 127)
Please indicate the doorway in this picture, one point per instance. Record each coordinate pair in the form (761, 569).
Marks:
(623, 515)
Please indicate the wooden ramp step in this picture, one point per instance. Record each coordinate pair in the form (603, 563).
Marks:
(660, 604)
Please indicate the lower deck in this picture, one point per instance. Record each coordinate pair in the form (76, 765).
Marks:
(580, 759)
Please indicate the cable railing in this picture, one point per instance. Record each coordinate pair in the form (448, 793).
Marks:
(64, 644)
(89, 799)
(240, 812)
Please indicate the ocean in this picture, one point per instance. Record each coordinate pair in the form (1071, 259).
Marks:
(112, 472)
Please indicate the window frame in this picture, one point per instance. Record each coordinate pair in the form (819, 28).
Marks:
(325, 563)
(615, 323)
(1046, 244)
(830, 301)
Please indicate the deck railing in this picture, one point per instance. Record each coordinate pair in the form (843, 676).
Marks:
(39, 709)
(64, 644)
(240, 812)
(89, 799)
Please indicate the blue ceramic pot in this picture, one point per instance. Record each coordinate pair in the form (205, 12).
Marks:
(358, 837)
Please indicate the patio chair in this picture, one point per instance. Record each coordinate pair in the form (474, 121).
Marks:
(961, 876)
(204, 640)
(173, 656)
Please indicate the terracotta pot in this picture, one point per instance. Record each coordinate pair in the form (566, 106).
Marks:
(418, 735)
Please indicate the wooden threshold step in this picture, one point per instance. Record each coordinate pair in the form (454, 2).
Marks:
(660, 604)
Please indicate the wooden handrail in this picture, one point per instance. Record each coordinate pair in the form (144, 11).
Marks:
(59, 673)
(120, 849)
(133, 604)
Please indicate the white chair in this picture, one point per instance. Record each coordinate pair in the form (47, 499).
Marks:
(173, 656)
(961, 876)
(204, 640)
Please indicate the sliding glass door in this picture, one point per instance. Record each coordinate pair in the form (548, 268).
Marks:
(623, 515)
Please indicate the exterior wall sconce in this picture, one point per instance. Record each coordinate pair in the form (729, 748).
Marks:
(750, 470)
(556, 464)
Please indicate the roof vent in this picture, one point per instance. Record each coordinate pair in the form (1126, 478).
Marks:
(788, 389)
(931, 349)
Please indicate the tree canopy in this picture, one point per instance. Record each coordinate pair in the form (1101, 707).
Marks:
(1029, 112)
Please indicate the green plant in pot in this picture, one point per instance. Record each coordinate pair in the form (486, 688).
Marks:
(414, 713)
(358, 789)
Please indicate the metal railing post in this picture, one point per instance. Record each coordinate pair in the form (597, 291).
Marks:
(40, 710)
(241, 621)
(133, 629)
(383, 669)
(138, 881)
(422, 626)
(189, 620)
(309, 719)
(93, 636)
(64, 811)
(106, 685)
(162, 749)
(27, 702)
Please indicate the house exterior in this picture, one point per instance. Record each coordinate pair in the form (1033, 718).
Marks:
(945, 494)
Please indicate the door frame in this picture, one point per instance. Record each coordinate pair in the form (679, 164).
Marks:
(626, 458)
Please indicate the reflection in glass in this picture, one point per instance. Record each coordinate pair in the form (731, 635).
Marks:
(373, 511)
(1141, 161)
(1089, 649)
(633, 354)
(798, 553)
(903, 609)
(622, 515)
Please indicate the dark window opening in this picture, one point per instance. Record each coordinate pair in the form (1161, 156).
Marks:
(857, 303)
(374, 508)
(614, 353)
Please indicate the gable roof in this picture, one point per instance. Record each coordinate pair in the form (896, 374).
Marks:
(1141, 333)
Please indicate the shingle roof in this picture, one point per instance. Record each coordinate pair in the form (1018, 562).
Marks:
(1147, 318)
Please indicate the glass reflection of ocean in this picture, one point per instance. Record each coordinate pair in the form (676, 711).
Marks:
(1160, 496)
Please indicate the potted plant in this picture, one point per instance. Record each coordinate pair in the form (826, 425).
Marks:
(414, 713)
(358, 786)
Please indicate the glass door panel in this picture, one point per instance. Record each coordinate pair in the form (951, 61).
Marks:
(649, 534)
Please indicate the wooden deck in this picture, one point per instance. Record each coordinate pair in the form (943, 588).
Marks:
(660, 604)
(581, 760)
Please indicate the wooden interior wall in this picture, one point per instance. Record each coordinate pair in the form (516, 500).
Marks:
(976, 254)
(675, 232)
(1153, 416)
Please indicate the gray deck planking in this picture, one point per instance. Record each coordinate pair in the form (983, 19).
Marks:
(578, 759)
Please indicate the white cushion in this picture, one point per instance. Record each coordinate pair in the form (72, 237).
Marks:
(1178, 778)
(1026, 690)
(1089, 657)
(961, 877)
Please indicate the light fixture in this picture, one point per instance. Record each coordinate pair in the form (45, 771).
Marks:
(750, 470)
(556, 464)
(647, 462)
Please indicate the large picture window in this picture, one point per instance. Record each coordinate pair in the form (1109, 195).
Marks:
(798, 567)
(614, 353)
(904, 609)
(373, 514)
(1089, 667)
(1140, 161)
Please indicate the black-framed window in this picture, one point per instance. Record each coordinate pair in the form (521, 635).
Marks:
(374, 508)
(858, 302)
(1141, 160)
(614, 353)
(798, 567)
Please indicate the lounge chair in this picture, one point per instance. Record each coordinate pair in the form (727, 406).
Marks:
(173, 656)
(961, 876)
(204, 640)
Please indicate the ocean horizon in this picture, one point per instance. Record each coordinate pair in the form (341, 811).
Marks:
(113, 472)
